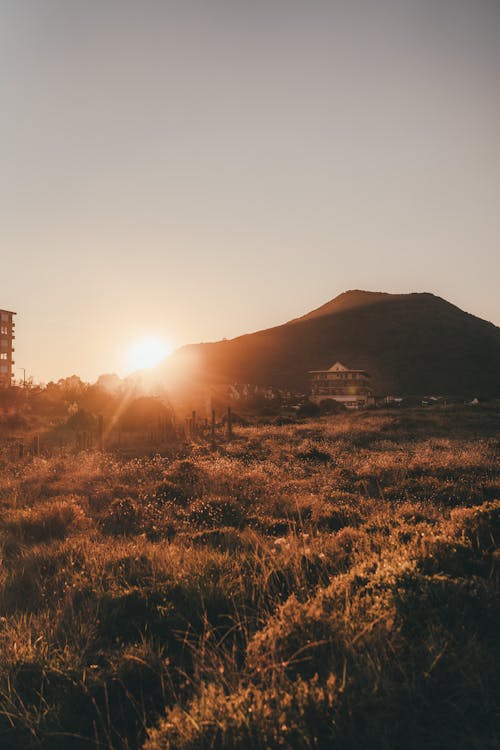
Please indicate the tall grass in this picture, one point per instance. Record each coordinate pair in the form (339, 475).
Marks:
(329, 584)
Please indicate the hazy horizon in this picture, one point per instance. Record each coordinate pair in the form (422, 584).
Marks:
(194, 171)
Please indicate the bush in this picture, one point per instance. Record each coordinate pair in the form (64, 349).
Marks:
(334, 517)
(144, 413)
(217, 511)
(299, 715)
(186, 477)
(45, 523)
(82, 420)
(480, 526)
(130, 516)
(309, 409)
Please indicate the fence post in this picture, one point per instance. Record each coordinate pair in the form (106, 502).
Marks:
(21, 449)
(36, 445)
(229, 422)
(212, 429)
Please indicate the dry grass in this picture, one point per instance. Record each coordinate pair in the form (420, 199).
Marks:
(330, 583)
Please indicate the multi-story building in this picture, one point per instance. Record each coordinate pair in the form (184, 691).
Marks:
(7, 337)
(350, 387)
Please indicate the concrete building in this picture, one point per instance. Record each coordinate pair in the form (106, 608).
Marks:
(350, 387)
(7, 337)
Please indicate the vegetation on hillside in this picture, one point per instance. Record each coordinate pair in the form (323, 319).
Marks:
(332, 583)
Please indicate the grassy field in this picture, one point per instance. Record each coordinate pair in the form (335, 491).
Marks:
(332, 583)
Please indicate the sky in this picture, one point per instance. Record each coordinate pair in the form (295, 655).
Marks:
(198, 170)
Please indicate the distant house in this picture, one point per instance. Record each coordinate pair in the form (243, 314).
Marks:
(7, 337)
(349, 387)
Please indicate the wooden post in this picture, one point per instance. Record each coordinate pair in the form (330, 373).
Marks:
(193, 424)
(212, 429)
(21, 449)
(100, 432)
(229, 422)
(36, 445)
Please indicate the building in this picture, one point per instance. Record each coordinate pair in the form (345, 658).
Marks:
(7, 337)
(350, 387)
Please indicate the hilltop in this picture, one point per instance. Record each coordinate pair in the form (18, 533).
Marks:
(410, 343)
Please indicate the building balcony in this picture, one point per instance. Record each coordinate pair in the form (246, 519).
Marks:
(346, 391)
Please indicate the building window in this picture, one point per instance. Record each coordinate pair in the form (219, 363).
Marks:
(3, 355)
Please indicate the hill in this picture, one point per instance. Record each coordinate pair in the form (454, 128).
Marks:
(410, 343)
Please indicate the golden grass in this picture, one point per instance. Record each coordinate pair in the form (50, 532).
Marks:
(330, 583)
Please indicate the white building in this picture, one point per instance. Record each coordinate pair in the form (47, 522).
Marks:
(349, 387)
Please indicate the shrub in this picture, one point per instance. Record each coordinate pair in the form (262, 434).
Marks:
(480, 525)
(217, 511)
(129, 516)
(144, 413)
(334, 517)
(55, 520)
(82, 420)
(170, 491)
(187, 477)
(299, 714)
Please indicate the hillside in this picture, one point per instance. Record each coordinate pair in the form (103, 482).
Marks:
(410, 343)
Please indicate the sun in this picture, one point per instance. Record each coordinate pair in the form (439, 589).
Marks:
(147, 353)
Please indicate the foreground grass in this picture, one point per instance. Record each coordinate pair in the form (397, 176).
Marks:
(333, 583)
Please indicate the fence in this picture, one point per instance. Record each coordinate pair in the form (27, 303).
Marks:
(164, 435)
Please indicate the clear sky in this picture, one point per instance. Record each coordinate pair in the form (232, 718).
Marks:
(197, 170)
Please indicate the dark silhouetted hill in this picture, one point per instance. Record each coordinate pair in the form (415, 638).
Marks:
(409, 343)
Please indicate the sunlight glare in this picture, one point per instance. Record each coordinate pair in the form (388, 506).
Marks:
(147, 353)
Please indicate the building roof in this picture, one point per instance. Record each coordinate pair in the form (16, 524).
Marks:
(338, 367)
(11, 312)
